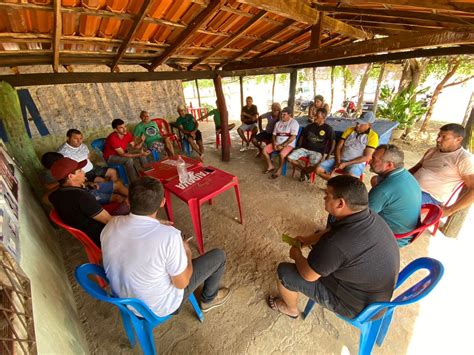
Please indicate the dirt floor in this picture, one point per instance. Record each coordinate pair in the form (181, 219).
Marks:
(246, 324)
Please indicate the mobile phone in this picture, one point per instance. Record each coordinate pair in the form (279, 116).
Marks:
(209, 170)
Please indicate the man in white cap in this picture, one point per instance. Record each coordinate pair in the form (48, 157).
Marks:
(354, 150)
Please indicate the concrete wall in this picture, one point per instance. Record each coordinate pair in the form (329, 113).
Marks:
(57, 325)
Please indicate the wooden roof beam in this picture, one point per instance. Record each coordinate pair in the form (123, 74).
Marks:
(300, 11)
(316, 32)
(131, 33)
(288, 40)
(397, 14)
(228, 41)
(184, 36)
(453, 5)
(370, 47)
(58, 29)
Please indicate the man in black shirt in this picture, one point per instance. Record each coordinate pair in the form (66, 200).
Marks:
(352, 265)
(76, 207)
(316, 140)
(249, 117)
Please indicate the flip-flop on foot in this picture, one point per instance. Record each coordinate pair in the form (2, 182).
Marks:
(268, 171)
(272, 302)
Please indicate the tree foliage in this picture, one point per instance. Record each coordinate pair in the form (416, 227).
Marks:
(438, 66)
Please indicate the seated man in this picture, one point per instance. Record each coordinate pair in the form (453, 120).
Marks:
(248, 116)
(74, 205)
(265, 136)
(443, 168)
(283, 141)
(188, 125)
(317, 139)
(148, 260)
(352, 265)
(317, 104)
(147, 133)
(75, 149)
(216, 115)
(353, 150)
(116, 149)
(103, 192)
(396, 195)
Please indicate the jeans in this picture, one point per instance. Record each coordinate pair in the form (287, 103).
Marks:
(207, 269)
(129, 165)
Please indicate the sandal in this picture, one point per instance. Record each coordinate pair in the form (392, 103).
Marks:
(268, 171)
(274, 176)
(272, 303)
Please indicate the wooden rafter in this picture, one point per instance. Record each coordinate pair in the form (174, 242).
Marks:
(316, 32)
(254, 45)
(131, 33)
(370, 47)
(228, 41)
(397, 14)
(288, 40)
(453, 5)
(184, 36)
(58, 29)
(300, 11)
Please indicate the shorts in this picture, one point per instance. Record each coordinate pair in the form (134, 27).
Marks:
(292, 280)
(103, 194)
(96, 172)
(314, 157)
(283, 153)
(198, 136)
(353, 169)
(248, 127)
(264, 136)
(427, 198)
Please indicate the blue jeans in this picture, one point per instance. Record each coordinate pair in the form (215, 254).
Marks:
(427, 198)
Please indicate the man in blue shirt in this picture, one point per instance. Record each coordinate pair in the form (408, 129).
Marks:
(396, 195)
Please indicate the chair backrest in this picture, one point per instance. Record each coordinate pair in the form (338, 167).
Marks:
(433, 215)
(412, 294)
(163, 126)
(98, 145)
(83, 275)
(93, 252)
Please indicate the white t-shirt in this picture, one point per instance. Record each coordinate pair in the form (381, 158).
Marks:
(78, 154)
(140, 255)
(441, 172)
(283, 130)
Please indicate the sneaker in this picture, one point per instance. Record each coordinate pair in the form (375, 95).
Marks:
(222, 296)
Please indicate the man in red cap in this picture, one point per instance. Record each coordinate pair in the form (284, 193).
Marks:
(76, 207)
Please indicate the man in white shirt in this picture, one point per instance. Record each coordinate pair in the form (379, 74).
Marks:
(75, 149)
(146, 259)
(443, 168)
(283, 141)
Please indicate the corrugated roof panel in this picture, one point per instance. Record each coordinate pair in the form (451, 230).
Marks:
(109, 27)
(94, 4)
(18, 20)
(117, 5)
(42, 21)
(89, 25)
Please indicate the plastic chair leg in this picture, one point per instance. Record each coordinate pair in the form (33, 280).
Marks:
(168, 206)
(237, 196)
(435, 228)
(197, 309)
(156, 155)
(218, 140)
(127, 324)
(195, 211)
(283, 169)
(368, 335)
(308, 308)
(145, 336)
(384, 326)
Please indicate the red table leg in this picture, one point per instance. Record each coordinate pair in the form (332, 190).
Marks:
(195, 211)
(169, 208)
(237, 196)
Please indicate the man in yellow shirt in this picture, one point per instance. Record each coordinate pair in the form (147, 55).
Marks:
(354, 149)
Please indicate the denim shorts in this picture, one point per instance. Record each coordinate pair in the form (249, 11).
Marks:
(353, 169)
(292, 280)
(103, 194)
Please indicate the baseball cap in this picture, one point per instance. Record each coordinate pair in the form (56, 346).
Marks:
(366, 118)
(181, 107)
(65, 166)
(287, 110)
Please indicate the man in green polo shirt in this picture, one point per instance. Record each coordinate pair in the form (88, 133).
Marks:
(217, 119)
(147, 131)
(188, 125)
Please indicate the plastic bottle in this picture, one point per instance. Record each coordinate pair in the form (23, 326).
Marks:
(182, 171)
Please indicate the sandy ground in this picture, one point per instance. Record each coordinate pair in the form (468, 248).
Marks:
(246, 324)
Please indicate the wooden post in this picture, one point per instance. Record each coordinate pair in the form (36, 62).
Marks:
(221, 106)
(198, 94)
(292, 93)
(377, 91)
(454, 223)
(241, 82)
(19, 144)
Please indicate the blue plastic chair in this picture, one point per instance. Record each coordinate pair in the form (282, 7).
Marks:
(374, 330)
(98, 145)
(133, 324)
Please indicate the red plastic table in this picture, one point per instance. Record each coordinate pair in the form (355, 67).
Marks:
(209, 183)
(165, 170)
